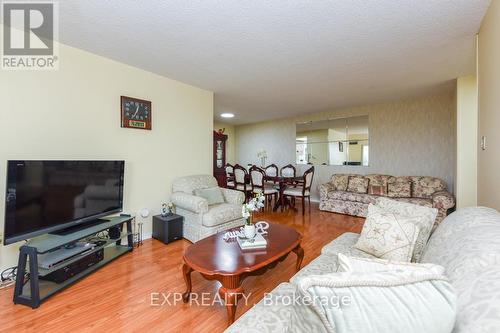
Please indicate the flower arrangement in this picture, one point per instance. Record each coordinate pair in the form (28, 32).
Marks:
(262, 154)
(253, 205)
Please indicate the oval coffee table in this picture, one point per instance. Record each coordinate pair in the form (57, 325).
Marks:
(224, 261)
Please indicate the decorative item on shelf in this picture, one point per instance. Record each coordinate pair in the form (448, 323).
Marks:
(167, 209)
(247, 210)
(262, 154)
(164, 211)
(171, 207)
(135, 113)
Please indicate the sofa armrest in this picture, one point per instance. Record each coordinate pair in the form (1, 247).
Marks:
(190, 202)
(443, 200)
(233, 196)
(324, 189)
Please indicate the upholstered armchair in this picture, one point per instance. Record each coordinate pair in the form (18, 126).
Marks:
(201, 219)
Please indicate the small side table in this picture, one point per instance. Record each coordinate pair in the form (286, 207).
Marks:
(167, 228)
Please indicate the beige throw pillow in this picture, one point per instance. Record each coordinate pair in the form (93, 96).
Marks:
(424, 224)
(213, 195)
(388, 235)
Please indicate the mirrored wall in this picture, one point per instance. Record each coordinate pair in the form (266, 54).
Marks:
(342, 141)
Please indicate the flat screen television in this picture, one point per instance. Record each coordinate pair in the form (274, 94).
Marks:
(49, 196)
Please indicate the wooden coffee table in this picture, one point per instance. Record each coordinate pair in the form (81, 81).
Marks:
(224, 261)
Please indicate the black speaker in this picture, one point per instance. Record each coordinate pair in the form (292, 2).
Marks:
(114, 232)
(168, 228)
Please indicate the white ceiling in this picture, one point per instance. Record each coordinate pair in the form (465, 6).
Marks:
(269, 59)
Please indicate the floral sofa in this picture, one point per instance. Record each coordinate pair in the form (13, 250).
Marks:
(351, 194)
(466, 244)
(201, 219)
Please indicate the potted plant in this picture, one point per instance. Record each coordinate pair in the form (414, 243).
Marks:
(247, 212)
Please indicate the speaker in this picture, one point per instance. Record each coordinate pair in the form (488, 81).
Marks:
(114, 232)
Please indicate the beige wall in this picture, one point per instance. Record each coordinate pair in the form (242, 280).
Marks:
(489, 107)
(411, 137)
(467, 122)
(73, 113)
(230, 143)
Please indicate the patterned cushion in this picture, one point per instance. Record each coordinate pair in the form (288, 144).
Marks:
(377, 189)
(222, 213)
(467, 244)
(276, 313)
(410, 301)
(212, 194)
(424, 225)
(339, 182)
(415, 201)
(378, 184)
(424, 187)
(388, 235)
(369, 265)
(399, 187)
(358, 184)
(353, 196)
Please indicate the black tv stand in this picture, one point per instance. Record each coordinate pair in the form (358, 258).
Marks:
(33, 290)
(78, 227)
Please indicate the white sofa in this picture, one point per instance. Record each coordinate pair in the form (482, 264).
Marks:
(466, 244)
(200, 219)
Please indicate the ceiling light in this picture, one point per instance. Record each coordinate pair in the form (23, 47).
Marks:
(227, 115)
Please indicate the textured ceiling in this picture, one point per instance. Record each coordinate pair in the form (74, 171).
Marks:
(270, 59)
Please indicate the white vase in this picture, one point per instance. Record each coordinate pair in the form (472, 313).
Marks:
(249, 231)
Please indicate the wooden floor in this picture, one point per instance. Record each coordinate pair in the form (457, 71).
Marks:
(118, 297)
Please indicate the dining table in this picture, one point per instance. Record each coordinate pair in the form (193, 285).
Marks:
(282, 183)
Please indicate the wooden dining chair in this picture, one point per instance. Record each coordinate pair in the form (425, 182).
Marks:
(271, 170)
(230, 176)
(288, 171)
(240, 180)
(257, 177)
(303, 191)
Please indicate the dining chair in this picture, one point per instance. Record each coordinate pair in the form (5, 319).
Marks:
(303, 191)
(271, 170)
(257, 176)
(240, 180)
(229, 176)
(288, 171)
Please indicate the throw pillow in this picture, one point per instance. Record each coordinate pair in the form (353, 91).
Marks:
(358, 184)
(410, 301)
(370, 265)
(212, 194)
(339, 182)
(377, 190)
(424, 224)
(399, 187)
(388, 235)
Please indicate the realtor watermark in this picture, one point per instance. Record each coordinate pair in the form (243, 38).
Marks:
(158, 299)
(28, 31)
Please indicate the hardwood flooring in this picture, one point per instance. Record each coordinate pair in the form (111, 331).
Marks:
(118, 297)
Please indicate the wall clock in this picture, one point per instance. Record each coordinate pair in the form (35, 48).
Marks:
(135, 113)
